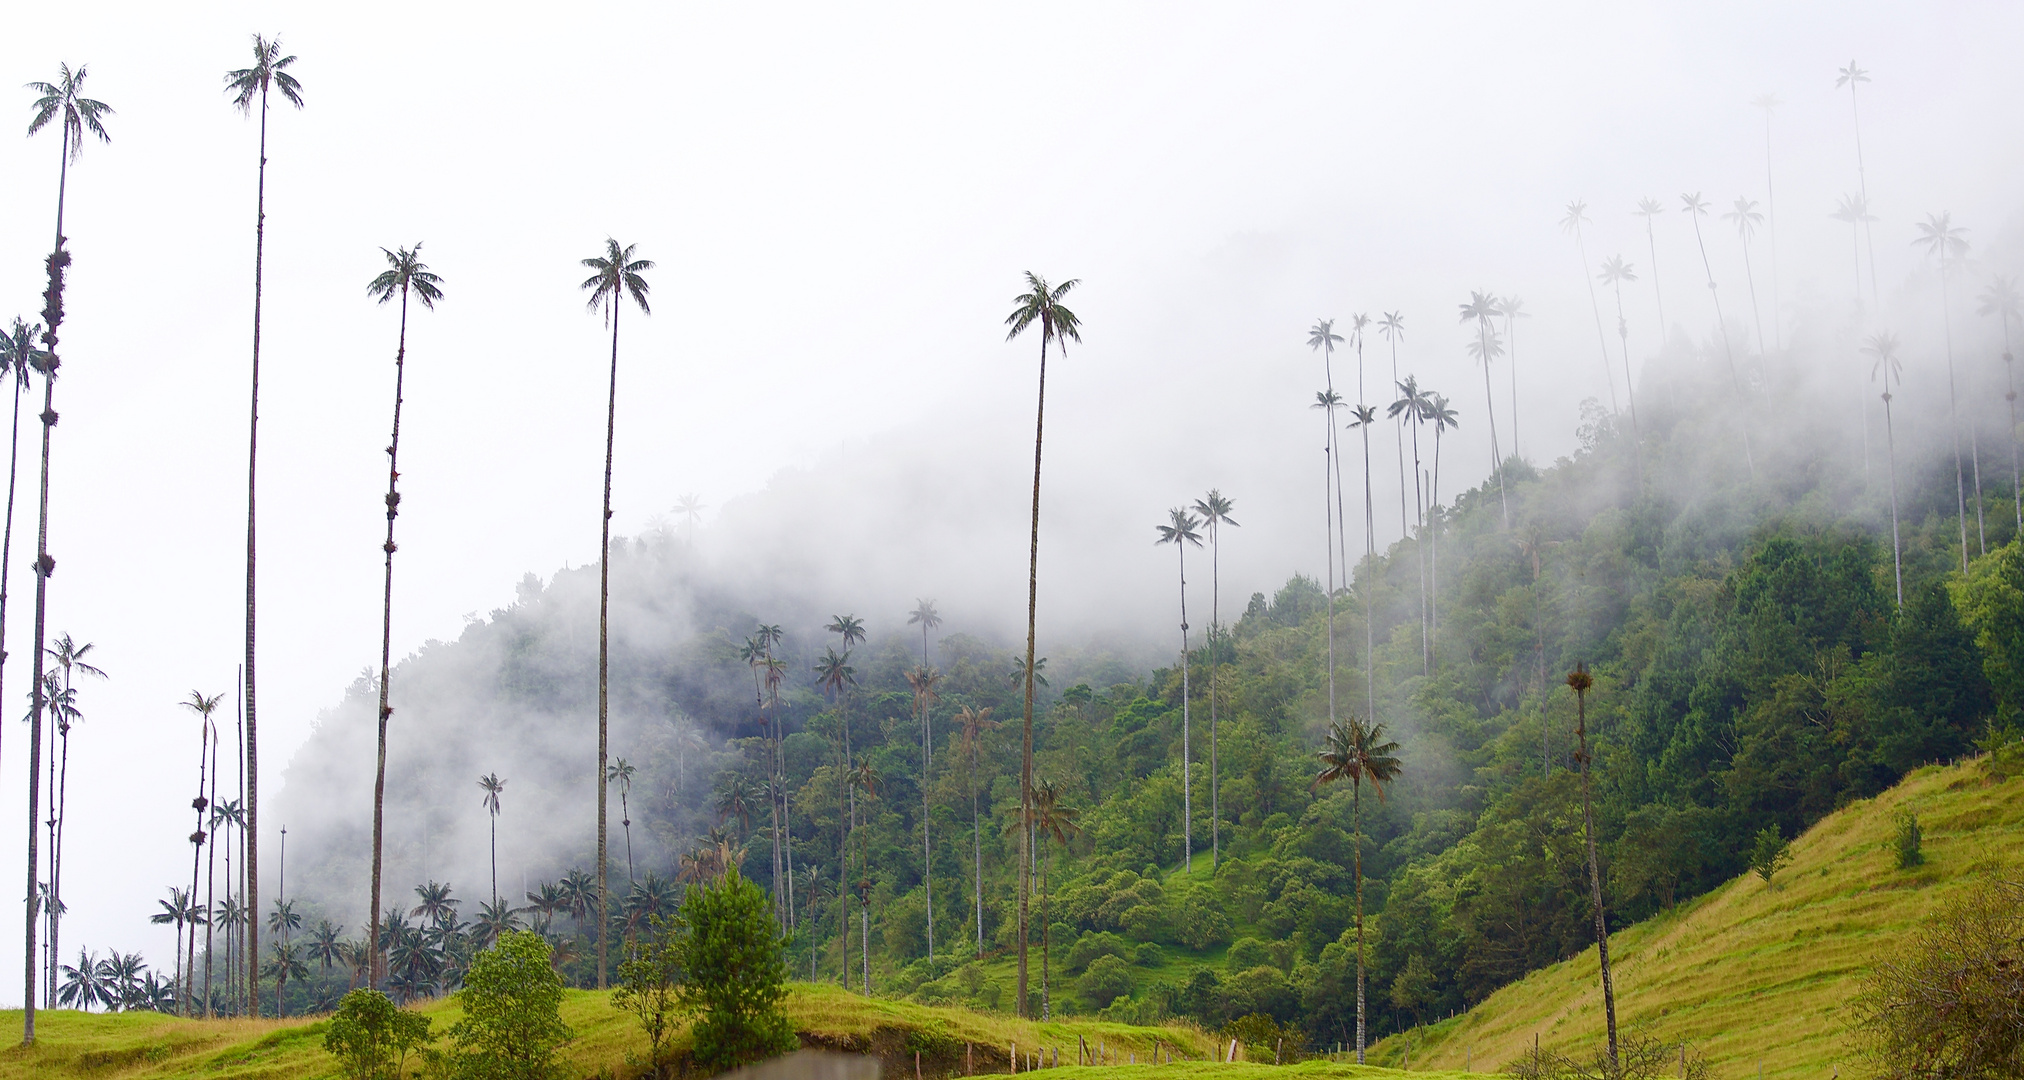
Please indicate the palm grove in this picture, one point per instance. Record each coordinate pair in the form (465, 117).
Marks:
(1679, 637)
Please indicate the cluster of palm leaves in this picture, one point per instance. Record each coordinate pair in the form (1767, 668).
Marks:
(121, 982)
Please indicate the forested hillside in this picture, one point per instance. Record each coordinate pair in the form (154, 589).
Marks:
(1735, 601)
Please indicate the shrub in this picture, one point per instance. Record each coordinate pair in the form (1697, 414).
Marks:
(1951, 1002)
(1909, 840)
(648, 986)
(1107, 979)
(371, 1037)
(1639, 1057)
(1246, 954)
(1769, 853)
(1200, 924)
(512, 1001)
(1097, 943)
(734, 958)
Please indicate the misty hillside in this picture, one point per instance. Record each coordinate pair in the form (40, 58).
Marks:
(1723, 566)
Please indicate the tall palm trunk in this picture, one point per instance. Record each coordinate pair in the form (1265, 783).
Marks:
(1356, 813)
(495, 857)
(1187, 754)
(1595, 307)
(211, 875)
(1369, 553)
(843, 826)
(1399, 439)
(2009, 396)
(379, 782)
(977, 849)
(52, 317)
(1594, 868)
(1728, 351)
(1490, 409)
(1216, 661)
(1862, 179)
(604, 652)
(1629, 388)
(251, 865)
(189, 993)
(1511, 361)
(1420, 529)
(1954, 414)
(1652, 245)
(1026, 731)
(1756, 315)
(927, 833)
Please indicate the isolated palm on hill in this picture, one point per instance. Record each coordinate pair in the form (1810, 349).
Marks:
(1943, 239)
(1999, 298)
(1214, 509)
(1696, 207)
(1481, 308)
(1358, 752)
(1883, 346)
(1575, 216)
(74, 114)
(1180, 532)
(621, 773)
(493, 788)
(1040, 305)
(616, 276)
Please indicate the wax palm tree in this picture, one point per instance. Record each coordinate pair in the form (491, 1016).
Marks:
(1614, 273)
(735, 795)
(1411, 405)
(406, 275)
(1365, 416)
(1513, 309)
(1359, 753)
(1769, 103)
(203, 707)
(1854, 210)
(691, 509)
(621, 773)
(1214, 509)
(924, 616)
(1851, 76)
(1041, 305)
(925, 683)
(495, 920)
(1180, 532)
(68, 658)
(175, 910)
(1441, 415)
(124, 976)
(19, 355)
(616, 276)
(1057, 821)
(1393, 326)
(63, 102)
(283, 963)
(2000, 299)
(1323, 338)
(82, 988)
(973, 723)
(1883, 346)
(1746, 219)
(1649, 208)
(325, 945)
(267, 74)
(1696, 207)
(493, 787)
(1942, 238)
(1579, 681)
(1571, 221)
(865, 779)
(1481, 308)
(771, 672)
(835, 675)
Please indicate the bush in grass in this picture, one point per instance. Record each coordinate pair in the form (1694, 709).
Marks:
(649, 986)
(371, 1037)
(733, 957)
(512, 1025)
(1950, 1003)
(1910, 838)
(1639, 1057)
(1107, 979)
(1769, 853)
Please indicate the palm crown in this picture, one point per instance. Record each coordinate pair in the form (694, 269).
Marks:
(493, 786)
(1884, 346)
(1851, 74)
(1322, 335)
(1745, 216)
(1041, 303)
(1575, 217)
(1181, 529)
(269, 70)
(1616, 271)
(1648, 208)
(616, 276)
(1999, 297)
(1358, 753)
(64, 101)
(1853, 209)
(18, 352)
(1392, 325)
(1215, 509)
(406, 272)
(1940, 236)
(850, 626)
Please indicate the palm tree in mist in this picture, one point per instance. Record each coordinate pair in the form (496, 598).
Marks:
(2000, 299)
(1393, 326)
(835, 676)
(64, 102)
(1481, 308)
(1360, 753)
(1439, 413)
(406, 276)
(1041, 304)
(1579, 681)
(493, 788)
(1328, 401)
(621, 773)
(1746, 217)
(1883, 346)
(926, 685)
(1614, 273)
(1854, 210)
(1214, 509)
(61, 697)
(1942, 238)
(973, 723)
(616, 276)
(1695, 207)
(1572, 221)
(1411, 405)
(924, 615)
(1055, 820)
(865, 778)
(1851, 77)
(1769, 103)
(1365, 416)
(1180, 532)
(1513, 309)
(203, 707)
(267, 73)
(691, 509)
(1649, 208)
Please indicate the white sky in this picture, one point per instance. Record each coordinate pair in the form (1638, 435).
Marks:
(840, 200)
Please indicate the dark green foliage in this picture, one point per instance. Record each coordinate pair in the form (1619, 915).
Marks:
(1951, 1002)
(649, 985)
(371, 1037)
(1107, 979)
(731, 953)
(1910, 840)
(1769, 853)
(512, 1023)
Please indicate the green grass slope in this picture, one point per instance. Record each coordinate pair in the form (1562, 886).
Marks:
(146, 1046)
(1751, 974)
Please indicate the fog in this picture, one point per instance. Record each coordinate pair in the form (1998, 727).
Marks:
(840, 205)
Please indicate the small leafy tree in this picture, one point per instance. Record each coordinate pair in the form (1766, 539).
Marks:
(371, 1037)
(1952, 1002)
(1910, 840)
(512, 1025)
(649, 986)
(733, 957)
(1769, 853)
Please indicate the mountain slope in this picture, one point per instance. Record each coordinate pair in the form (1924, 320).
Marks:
(1750, 973)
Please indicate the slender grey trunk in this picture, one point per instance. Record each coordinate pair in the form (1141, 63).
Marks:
(1026, 749)
(1187, 753)
(1356, 804)
(211, 874)
(379, 783)
(1595, 880)
(251, 864)
(1728, 351)
(1595, 307)
(604, 649)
